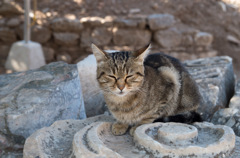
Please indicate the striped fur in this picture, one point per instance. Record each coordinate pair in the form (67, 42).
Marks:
(139, 89)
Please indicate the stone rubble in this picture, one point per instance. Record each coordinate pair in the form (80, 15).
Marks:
(56, 140)
(230, 116)
(160, 21)
(161, 30)
(92, 95)
(168, 38)
(66, 38)
(216, 81)
(92, 138)
(65, 24)
(138, 37)
(37, 98)
(215, 78)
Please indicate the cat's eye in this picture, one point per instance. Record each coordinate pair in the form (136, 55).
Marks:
(112, 76)
(129, 76)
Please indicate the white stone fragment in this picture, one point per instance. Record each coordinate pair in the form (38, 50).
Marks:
(198, 140)
(25, 56)
(92, 95)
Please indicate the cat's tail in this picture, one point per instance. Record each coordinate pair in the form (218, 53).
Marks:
(189, 117)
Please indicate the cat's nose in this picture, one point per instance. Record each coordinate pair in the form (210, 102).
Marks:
(121, 86)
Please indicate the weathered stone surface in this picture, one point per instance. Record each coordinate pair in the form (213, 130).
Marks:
(215, 79)
(233, 39)
(40, 34)
(133, 37)
(10, 8)
(25, 56)
(66, 38)
(7, 35)
(160, 21)
(97, 21)
(66, 25)
(168, 38)
(101, 36)
(96, 140)
(203, 38)
(48, 53)
(13, 22)
(2, 22)
(131, 23)
(230, 116)
(64, 57)
(56, 140)
(235, 100)
(86, 39)
(11, 155)
(33, 99)
(92, 95)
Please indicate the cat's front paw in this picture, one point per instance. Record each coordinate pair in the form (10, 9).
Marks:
(119, 128)
(132, 130)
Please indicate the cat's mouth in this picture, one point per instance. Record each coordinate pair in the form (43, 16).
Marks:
(121, 93)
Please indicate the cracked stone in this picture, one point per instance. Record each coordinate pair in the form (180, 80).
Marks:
(33, 99)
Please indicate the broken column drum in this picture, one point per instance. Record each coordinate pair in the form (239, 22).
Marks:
(157, 140)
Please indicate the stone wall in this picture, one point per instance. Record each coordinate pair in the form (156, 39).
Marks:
(69, 38)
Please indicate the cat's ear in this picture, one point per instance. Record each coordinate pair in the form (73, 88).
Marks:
(99, 54)
(142, 53)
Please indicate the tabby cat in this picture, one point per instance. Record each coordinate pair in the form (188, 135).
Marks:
(140, 88)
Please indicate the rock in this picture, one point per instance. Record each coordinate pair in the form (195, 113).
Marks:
(235, 100)
(168, 38)
(13, 22)
(2, 22)
(100, 36)
(48, 53)
(131, 23)
(133, 37)
(11, 155)
(64, 57)
(7, 35)
(10, 8)
(134, 10)
(56, 140)
(233, 39)
(203, 39)
(34, 99)
(187, 40)
(215, 79)
(66, 25)
(156, 140)
(97, 21)
(66, 38)
(126, 23)
(229, 117)
(92, 95)
(160, 21)
(4, 49)
(25, 56)
(86, 39)
(40, 34)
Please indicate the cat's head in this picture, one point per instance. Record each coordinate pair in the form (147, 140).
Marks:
(122, 72)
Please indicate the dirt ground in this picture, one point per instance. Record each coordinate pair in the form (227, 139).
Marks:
(218, 17)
